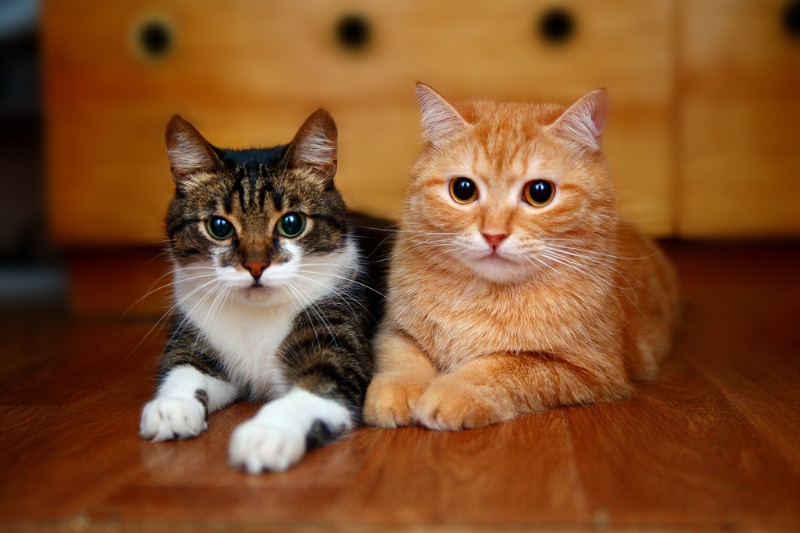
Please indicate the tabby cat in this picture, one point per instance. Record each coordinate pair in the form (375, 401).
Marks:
(272, 302)
(514, 285)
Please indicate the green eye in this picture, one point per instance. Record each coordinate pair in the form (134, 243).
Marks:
(219, 228)
(291, 225)
(463, 190)
(539, 193)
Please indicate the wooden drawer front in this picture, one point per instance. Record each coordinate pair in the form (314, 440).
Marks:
(740, 133)
(249, 72)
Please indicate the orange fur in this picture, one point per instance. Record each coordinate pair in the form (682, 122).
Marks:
(572, 306)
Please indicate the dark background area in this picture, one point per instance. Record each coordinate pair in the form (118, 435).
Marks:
(29, 266)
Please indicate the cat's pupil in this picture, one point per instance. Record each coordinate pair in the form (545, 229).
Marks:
(463, 190)
(291, 224)
(219, 228)
(539, 193)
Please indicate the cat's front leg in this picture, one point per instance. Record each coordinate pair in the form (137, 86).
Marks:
(454, 401)
(498, 387)
(182, 403)
(277, 437)
(403, 373)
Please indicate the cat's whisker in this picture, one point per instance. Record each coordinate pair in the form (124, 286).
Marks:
(598, 259)
(593, 270)
(555, 241)
(371, 228)
(211, 291)
(375, 248)
(539, 263)
(621, 272)
(309, 304)
(220, 295)
(576, 267)
(158, 324)
(180, 327)
(299, 298)
(344, 297)
(151, 291)
(411, 231)
(436, 243)
(338, 276)
(212, 295)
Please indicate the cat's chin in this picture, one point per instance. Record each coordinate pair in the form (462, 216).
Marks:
(497, 269)
(259, 295)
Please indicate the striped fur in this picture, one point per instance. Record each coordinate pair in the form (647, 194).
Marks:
(261, 314)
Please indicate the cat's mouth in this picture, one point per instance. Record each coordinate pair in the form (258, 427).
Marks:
(257, 293)
(494, 256)
(256, 286)
(492, 262)
(496, 266)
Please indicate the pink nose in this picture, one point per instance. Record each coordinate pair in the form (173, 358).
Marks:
(256, 268)
(494, 239)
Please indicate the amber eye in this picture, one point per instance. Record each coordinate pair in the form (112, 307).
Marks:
(463, 190)
(539, 193)
(219, 228)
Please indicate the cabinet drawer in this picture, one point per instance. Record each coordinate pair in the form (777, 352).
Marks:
(740, 167)
(248, 72)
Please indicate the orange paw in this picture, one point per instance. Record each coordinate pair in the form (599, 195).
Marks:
(451, 406)
(390, 400)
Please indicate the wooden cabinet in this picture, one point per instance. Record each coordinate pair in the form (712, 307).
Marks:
(248, 72)
(703, 135)
(739, 134)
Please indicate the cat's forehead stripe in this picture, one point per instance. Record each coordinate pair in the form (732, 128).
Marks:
(518, 162)
(252, 183)
(238, 188)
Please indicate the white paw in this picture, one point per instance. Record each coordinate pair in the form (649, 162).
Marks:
(172, 418)
(259, 445)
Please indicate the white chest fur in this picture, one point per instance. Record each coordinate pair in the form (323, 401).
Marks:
(248, 338)
(248, 335)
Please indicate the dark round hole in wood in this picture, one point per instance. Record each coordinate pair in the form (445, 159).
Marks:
(556, 25)
(155, 39)
(353, 32)
(791, 18)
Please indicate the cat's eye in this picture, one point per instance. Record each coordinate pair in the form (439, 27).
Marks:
(219, 228)
(539, 193)
(291, 224)
(463, 190)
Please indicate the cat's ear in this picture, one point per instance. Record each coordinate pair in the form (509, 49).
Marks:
(440, 120)
(315, 145)
(584, 121)
(189, 153)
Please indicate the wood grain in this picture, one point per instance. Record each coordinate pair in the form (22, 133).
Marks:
(755, 370)
(701, 461)
(475, 469)
(712, 443)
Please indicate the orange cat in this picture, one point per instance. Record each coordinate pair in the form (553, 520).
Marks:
(514, 285)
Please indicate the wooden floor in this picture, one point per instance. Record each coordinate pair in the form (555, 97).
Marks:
(714, 442)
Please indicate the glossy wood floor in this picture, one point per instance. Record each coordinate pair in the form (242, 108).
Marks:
(713, 443)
